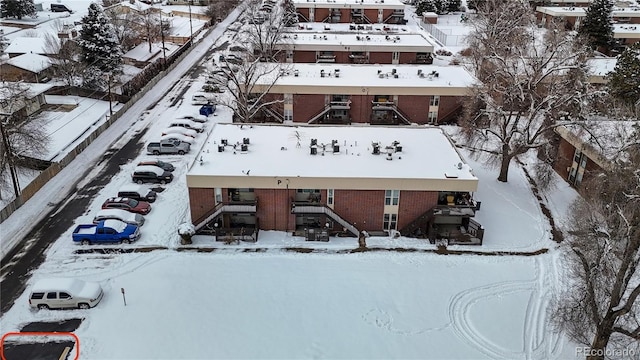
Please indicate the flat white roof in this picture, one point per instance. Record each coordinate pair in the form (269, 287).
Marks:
(626, 31)
(366, 79)
(314, 27)
(281, 151)
(354, 4)
(576, 11)
(356, 41)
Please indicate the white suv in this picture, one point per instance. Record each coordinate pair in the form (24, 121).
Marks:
(60, 293)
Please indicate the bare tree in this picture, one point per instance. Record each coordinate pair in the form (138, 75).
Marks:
(263, 36)
(530, 79)
(599, 306)
(150, 25)
(249, 85)
(23, 133)
(67, 64)
(125, 25)
(217, 9)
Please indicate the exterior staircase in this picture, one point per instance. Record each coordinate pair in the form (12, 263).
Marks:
(298, 208)
(417, 223)
(224, 208)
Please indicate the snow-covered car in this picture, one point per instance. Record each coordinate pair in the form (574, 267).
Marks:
(187, 124)
(177, 137)
(119, 214)
(196, 117)
(179, 130)
(200, 99)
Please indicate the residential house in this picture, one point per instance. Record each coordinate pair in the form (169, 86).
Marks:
(32, 68)
(26, 45)
(318, 181)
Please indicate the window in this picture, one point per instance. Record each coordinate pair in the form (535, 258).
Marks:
(51, 295)
(390, 221)
(64, 296)
(435, 100)
(576, 156)
(391, 197)
(395, 55)
(288, 115)
(37, 295)
(330, 197)
(433, 116)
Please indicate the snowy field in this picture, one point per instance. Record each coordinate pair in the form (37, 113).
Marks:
(277, 305)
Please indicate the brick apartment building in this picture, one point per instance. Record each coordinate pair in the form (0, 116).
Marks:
(626, 20)
(351, 11)
(582, 153)
(373, 94)
(352, 43)
(333, 181)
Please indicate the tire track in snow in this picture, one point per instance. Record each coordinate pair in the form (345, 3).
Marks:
(537, 342)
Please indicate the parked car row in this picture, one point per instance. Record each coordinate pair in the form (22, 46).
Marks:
(121, 216)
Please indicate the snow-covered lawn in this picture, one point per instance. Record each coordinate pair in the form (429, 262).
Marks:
(280, 305)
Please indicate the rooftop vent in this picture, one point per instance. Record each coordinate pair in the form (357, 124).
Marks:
(337, 72)
(244, 148)
(220, 148)
(296, 72)
(314, 150)
(245, 141)
(314, 142)
(376, 148)
(224, 142)
(321, 72)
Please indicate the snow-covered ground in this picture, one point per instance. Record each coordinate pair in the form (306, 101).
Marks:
(234, 303)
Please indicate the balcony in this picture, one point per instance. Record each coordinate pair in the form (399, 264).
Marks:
(340, 105)
(326, 58)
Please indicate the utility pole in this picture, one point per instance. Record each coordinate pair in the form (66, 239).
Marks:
(109, 85)
(9, 151)
(190, 25)
(164, 50)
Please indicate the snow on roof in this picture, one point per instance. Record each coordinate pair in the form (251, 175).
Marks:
(57, 284)
(357, 41)
(34, 89)
(369, 79)
(142, 53)
(24, 45)
(356, 4)
(31, 62)
(626, 31)
(281, 151)
(602, 140)
(573, 11)
(315, 27)
(599, 68)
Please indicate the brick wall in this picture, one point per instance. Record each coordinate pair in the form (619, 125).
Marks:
(305, 106)
(321, 14)
(304, 56)
(380, 58)
(413, 204)
(361, 108)
(364, 208)
(385, 14)
(201, 200)
(407, 58)
(416, 107)
(372, 14)
(449, 105)
(564, 158)
(304, 12)
(273, 209)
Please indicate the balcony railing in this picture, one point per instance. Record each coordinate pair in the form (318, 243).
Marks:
(340, 105)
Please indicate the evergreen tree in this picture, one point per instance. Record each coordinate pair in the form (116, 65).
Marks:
(624, 81)
(17, 8)
(290, 16)
(597, 24)
(423, 6)
(4, 42)
(454, 5)
(98, 41)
